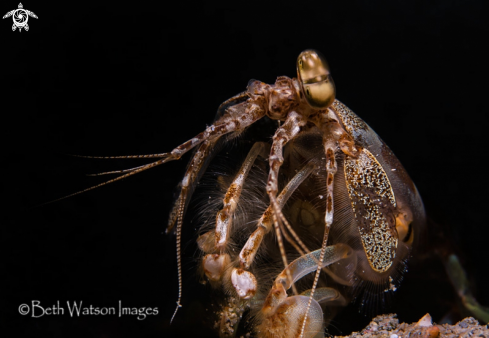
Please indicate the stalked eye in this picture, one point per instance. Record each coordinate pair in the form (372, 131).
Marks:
(315, 79)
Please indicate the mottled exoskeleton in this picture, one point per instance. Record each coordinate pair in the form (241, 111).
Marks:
(335, 199)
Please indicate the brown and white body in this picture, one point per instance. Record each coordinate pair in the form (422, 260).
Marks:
(335, 199)
(356, 198)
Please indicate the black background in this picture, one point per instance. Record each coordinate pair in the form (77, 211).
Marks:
(114, 79)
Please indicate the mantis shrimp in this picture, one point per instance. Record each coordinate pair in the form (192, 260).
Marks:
(322, 203)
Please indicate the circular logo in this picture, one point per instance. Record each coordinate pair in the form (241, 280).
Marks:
(20, 17)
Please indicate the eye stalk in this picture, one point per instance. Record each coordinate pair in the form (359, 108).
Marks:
(315, 79)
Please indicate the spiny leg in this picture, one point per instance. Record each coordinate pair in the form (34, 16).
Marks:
(264, 225)
(244, 281)
(215, 243)
(187, 194)
(286, 132)
(231, 199)
(289, 129)
(237, 118)
(214, 263)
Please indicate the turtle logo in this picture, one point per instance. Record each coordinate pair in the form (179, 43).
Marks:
(20, 17)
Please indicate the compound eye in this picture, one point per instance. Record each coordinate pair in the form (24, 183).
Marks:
(315, 79)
